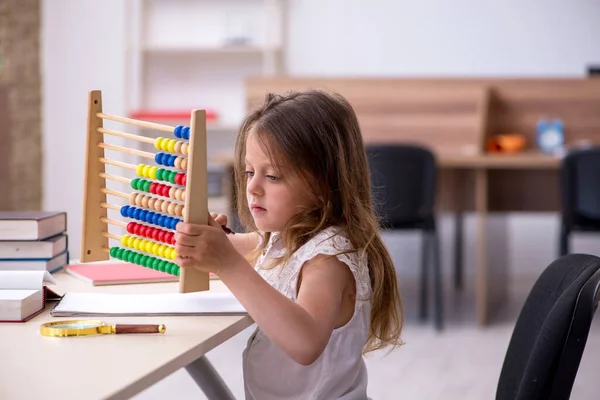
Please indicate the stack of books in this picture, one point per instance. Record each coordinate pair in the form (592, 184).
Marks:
(33, 244)
(33, 241)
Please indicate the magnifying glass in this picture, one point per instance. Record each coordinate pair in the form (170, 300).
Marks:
(93, 327)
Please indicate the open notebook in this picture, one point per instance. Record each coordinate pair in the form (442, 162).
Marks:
(116, 305)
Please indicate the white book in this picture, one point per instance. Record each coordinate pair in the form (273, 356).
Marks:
(22, 294)
(162, 304)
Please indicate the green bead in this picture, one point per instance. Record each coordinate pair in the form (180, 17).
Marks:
(120, 253)
(177, 271)
(130, 257)
(134, 183)
(159, 173)
(143, 260)
(113, 252)
(137, 258)
(147, 186)
(154, 263)
(172, 176)
(162, 265)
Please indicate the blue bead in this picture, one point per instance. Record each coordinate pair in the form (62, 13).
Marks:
(165, 159)
(158, 158)
(185, 134)
(130, 212)
(177, 131)
(168, 222)
(136, 213)
(174, 223)
(124, 211)
(149, 216)
(143, 215)
(172, 161)
(155, 218)
(161, 221)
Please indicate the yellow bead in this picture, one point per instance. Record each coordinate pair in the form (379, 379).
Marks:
(157, 143)
(139, 170)
(142, 245)
(124, 239)
(130, 240)
(161, 250)
(136, 243)
(174, 254)
(155, 247)
(171, 145)
(168, 252)
(149, 245)
(146, 171)
(153, 172)
(164, 145)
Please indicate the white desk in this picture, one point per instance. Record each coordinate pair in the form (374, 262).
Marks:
(33, 366)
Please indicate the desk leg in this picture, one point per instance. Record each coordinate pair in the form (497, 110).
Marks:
(458, 249)
(209, 380)
(481, 283)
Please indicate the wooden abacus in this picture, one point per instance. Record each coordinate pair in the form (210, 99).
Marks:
(150, 241)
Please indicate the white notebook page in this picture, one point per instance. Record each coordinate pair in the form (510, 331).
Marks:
(197, 303)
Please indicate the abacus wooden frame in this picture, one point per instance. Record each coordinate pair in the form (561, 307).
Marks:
(95, 245)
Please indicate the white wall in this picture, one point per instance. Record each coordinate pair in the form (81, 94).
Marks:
(84, 49)
(444, 38)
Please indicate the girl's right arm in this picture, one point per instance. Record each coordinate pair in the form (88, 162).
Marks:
(244, 243)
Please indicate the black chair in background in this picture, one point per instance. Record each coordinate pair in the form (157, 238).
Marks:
(403, 179)
(580, 194)
(550, 335)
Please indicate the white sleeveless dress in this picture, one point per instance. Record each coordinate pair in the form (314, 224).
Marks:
(340, 371)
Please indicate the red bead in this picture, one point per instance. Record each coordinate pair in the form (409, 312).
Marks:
(155, 233)
(144, 231)
(131, 227)
(137, 229)
(153, 187)
(161, 236)
(172, 238)
(166, 190)
(178, 177)
(184, 180)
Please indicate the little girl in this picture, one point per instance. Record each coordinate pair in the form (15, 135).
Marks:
(312, 271)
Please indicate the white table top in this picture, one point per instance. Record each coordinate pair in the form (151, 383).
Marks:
(105, 366)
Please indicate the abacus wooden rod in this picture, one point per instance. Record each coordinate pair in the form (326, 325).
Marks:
(113, 222)
(114, 178)
(126, 135)
(139, 153)
(117, 163)
(115, 193)
(110, 206)
(142, 124)
(111, 235)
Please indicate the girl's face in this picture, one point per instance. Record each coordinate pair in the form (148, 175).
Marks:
(272, 198)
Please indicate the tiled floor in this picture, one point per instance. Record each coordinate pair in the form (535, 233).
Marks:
(462, 363)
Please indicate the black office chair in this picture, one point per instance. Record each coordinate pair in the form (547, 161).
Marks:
(580, 194)
(403, 179)
(550, 335)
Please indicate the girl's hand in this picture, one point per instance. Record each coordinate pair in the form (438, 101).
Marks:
(205, 247)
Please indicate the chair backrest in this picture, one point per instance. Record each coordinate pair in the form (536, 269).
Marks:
(550, 335)
(403, 182)
(580, 184)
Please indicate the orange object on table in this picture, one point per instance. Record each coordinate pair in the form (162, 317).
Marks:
(506, 143)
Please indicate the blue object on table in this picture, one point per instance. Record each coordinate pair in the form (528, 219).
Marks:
(550, 135)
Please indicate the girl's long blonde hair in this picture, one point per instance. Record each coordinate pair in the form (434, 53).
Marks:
(316, 136)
